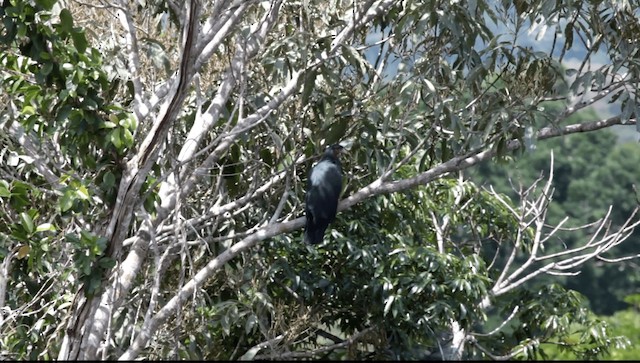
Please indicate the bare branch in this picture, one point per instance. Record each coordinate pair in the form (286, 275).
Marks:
(250, 354)
(5, 268)
(133, 53)
(602, 94)
(130, 184)
(40, 159)
(310, 354)
(496, 357)
(601, 241)
(217, 28)
(465, 161)
(502, 325)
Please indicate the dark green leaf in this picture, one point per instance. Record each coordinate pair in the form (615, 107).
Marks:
(66, 21)
(79, 41)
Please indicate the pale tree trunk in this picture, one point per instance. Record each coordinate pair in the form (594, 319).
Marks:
(455, 348)
(91, 315)
(451, 342)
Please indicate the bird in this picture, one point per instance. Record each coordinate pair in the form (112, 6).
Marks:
(323, 190)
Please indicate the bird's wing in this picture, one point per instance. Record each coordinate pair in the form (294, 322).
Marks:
(324, 186)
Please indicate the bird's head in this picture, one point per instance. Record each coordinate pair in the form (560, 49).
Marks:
(334, 150)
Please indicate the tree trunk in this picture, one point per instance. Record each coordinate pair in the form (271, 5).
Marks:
(90, 317)
(454, 348)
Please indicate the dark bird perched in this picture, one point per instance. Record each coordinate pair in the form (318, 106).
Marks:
(323, 190)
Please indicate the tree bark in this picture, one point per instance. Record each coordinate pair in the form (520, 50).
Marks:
(91, 314)
(455, 348)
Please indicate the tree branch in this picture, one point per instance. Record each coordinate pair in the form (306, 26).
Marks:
(204, 123)
(133, 53)
(375, 188)
(310, 354)
(85, 341)
(40, 159)
(561, 261)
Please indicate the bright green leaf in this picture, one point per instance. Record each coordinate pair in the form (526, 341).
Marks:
(114, 137)
(27, 222)
(66, 201)
(128, 137)
(82, 192)
(46, 227)
(4, 189)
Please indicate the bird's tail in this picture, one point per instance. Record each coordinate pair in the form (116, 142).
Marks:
(314, 234)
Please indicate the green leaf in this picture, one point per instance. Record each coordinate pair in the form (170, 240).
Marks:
(89, 103)
(46, 4)
(337, 131)
(66, 21)
(107, 125)
(157, 54)
(47, 67)
(251, 322)
(354, 57)
(82, 192)
(28, 110)
(4, 189)
(27, 222)
(108, 180)
(226, 325)
(128, 137)
(46, 227)
(79, 41)
(133, 124)
(309, 85)
(388, 303)
(66, 202)
(23, 251)
(114, 137)
(430, 86)
(124, 122)
(107, 263)
(94, 283)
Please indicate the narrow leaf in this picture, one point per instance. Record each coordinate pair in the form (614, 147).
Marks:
(27, 222)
